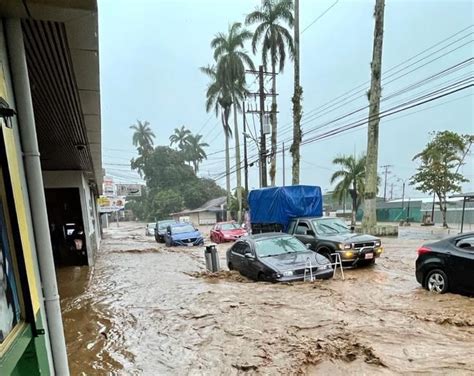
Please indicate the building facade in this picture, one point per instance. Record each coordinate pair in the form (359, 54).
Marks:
(50, 171)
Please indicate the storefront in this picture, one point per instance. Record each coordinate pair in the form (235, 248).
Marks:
(50, 169)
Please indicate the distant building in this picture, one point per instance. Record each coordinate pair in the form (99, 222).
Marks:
(210, 213)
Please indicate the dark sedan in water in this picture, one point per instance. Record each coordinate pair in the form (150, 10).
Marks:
(276, 257)
(447, 265)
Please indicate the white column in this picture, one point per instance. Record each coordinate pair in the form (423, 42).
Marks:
(29, 142)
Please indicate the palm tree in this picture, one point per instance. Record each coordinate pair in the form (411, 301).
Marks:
(275, 40)
(232, 60)
(351, 178)
(143, 135)
(180, 137)
(143, 140)
(194, 150)
(218, 98)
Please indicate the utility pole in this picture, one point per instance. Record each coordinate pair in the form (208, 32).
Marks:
(391, 191)
(386, 167)
(297, 96)
(283, 152)
(246, 164)
(403, 195)
(369, 220)
(263, 146)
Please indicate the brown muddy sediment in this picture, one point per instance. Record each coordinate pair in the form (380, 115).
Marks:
(155, 311)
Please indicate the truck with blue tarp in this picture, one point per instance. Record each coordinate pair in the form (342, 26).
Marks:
(298, 210)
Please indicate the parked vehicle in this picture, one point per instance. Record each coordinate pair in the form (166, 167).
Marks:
(160, 229)
(227, 232)
(182, 234)
(276, 257)
(150, 229)
(331, 235)
(297, 210)
(447, 264)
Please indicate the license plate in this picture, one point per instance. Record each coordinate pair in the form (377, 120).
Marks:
(190, 244)
(369, 256)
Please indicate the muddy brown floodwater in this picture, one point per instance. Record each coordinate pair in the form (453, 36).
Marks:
(147, 310)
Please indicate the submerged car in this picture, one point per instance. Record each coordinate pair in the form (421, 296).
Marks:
(276, 257)
(331, 235)
(160, 229)
(183, 234)
(150, 229)
(227, 232)
(447, 265)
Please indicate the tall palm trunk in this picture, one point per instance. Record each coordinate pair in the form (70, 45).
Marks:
(354, 204)
(225, 124)
(237, 164)
(370, 196)
(274, 129)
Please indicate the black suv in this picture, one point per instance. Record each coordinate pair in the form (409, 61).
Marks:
(331, 235)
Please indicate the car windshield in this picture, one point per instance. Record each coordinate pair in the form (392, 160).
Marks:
(278, 246)
(182, 229)
(330, 226)
(229, 226)
(163, 225)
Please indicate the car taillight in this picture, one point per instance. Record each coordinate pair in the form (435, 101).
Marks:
(423, 250)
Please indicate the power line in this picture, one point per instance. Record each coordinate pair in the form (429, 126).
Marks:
(319, 17)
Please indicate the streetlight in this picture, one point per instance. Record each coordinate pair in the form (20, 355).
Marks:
(246, 136)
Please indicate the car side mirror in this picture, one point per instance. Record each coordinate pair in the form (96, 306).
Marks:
(308, 245)
(248, 255)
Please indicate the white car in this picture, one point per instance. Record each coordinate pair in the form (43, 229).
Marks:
(150, 229)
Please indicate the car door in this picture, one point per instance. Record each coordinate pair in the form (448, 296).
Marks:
(462, 263)
(305, 233)
(237, 256)
(249, 264)
(212, 235)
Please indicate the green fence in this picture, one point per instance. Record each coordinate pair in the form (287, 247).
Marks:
(395, 214)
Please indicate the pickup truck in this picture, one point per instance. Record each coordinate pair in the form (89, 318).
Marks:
(297, 210)
(326, 236)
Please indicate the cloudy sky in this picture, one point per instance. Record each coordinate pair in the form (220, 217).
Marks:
(150, 52)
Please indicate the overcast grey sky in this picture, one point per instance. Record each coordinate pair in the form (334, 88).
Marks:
(150, 52)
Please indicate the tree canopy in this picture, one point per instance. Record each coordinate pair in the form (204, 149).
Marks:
(440, 161)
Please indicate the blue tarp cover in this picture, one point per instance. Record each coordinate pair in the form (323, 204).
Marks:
(280, 204)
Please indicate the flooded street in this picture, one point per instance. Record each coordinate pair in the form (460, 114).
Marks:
(145, 309)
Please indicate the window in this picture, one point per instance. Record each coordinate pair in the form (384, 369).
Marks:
(10, 309)
(241, 248)
(291, 227)
(466, 244)
(302, 228)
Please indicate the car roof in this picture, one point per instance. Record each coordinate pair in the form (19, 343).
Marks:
(180, 224)
(166, 221)
(268, 235)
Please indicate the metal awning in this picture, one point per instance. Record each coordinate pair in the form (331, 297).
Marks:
(61, 43)
(467, 197)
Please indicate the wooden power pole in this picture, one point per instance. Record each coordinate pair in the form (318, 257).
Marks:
(369, 221)
(263, 143)
(297, 96)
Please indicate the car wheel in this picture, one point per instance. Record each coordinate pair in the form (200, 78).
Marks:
(326, 252)
(261, 277)
(230, 266)
(437, 281)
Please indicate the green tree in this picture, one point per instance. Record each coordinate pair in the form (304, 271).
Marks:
(143, 139)
(350, 181)
(232, 60)
(180, 137)
(440, 161)
(194, 150)
(165, 168)
(275, 41)
(219, 98)
(163, 203)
